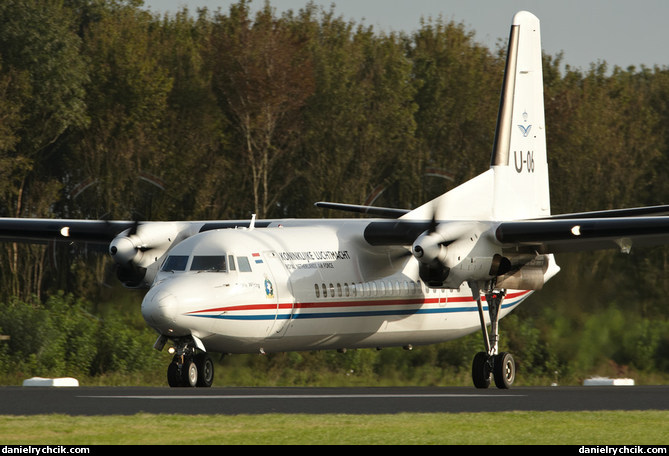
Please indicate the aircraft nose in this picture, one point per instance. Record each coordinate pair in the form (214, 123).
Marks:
(159, 310)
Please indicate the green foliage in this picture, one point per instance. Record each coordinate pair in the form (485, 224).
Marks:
(61, 337)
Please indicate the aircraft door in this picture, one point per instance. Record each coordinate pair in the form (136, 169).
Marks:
(277, 283)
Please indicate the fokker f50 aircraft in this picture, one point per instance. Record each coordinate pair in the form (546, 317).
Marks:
(451, 267)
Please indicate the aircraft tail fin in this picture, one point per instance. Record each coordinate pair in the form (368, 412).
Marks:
(519, 160)
(516, 186)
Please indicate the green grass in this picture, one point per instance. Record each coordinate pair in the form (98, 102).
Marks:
(517, 428)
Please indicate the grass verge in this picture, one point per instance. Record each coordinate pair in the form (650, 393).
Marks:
(503, 428)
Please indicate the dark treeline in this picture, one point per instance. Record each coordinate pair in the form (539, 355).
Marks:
(110, 111)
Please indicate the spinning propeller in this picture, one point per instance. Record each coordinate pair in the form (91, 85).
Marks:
(140, 247)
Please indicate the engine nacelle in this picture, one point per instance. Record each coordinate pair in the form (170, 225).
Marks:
(453, 253)
(138, 251)
(432, 246)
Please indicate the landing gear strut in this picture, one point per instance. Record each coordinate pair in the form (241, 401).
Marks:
(190, 367)
(490, 363)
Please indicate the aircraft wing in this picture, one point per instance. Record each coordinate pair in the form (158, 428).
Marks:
(96, 231)
(555, 235)
(629, 212)
(46, 230)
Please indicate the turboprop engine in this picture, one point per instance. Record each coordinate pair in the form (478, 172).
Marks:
(447, 254)
(455, 252)
(138, 251)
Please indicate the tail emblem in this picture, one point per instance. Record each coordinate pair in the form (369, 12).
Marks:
(525, 130)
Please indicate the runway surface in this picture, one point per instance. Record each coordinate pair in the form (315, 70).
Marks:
(233, 401)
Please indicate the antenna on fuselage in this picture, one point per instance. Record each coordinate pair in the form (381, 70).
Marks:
(253, 222)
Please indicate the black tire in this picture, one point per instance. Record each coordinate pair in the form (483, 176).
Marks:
(173, 377)
(504, 370)
(205, 370)
(481, 370)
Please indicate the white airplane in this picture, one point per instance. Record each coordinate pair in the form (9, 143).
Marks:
(453, 266)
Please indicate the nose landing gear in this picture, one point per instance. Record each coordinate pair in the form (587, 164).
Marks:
(190, 367)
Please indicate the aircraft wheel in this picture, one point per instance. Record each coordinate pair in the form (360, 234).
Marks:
(504, 369)
(205, 370)
(481, 370)
(189, 373)
(173, 377)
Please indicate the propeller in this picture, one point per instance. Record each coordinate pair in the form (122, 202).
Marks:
(442, 247)
(427, 247)
(431, 247)
(127, 246)
(139, 247)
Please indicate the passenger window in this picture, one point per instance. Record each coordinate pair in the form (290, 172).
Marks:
(332, 291)
(325, 291)
(214, 263)
(339, 290)
(175, 263)
(317, 290)
(243, 263)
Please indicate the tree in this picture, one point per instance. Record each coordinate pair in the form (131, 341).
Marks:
(262, 78)
(359, 128)
(39, 49)
(458, 83)
(121, 149)
(198, 171)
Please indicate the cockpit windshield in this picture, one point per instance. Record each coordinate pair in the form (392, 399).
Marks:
(209, 263)
(175, 263)
(212, 263)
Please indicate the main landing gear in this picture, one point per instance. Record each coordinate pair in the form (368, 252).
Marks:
(490, 363)
(190, 367)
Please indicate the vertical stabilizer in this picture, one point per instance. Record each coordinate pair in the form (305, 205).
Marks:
(516, 185)
(519, 151)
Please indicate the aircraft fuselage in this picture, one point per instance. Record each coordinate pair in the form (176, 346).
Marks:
(309, 287)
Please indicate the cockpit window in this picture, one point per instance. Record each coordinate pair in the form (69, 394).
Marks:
(208, 263)
(175, 263)
(243, 263)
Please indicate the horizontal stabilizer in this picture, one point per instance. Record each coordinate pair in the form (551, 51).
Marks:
(387, 212)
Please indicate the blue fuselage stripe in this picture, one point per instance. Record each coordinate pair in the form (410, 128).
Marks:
(361, 313)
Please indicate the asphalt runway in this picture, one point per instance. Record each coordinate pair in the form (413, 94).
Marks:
(234, 401)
